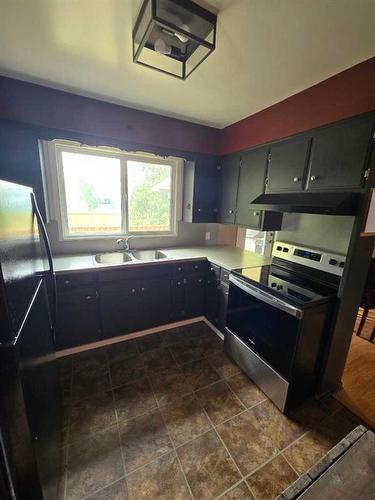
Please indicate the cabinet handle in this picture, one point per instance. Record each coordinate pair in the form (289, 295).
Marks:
(179, 269)
(226, 293)
(88, 297)
(296, 179)
(178, 283)
(195, 267)
(133, 290)
(231, 211)
(257, 213)
(199, 210)
(142, 289)
(66, 282)
(314, 178)
(200, 280)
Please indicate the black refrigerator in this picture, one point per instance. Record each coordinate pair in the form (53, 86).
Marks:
(30, 400)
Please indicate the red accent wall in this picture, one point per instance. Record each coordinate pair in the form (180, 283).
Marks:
(346, 94)
(46, 107)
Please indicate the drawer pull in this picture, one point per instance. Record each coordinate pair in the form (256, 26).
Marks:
(66, 282)
(200, 280)
(195, 267)
(133, 290)
(142, 289)
(179, 269)
(88, 297)
(296, 179)
(314, 178)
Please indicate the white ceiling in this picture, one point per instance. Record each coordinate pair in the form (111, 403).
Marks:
(266, 51)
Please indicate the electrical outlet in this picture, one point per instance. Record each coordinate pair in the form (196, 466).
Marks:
(208, 236)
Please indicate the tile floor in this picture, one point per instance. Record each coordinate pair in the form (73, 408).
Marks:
(169, 416)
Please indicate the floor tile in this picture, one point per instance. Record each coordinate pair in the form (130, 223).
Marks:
(116, 491)
(274, 423)
(309, 414)
(271, 479)
(240, 492)
(219, 402)
(211, 343)
(207, 466)
(199, 373)
(161, 479)
(64, 366)
(94, 463)
(246, 390)
(170, 386)
(199, 330)
(175, 335)
(143, 439)
(91, 415)
(157, 360)
(223, 365)
(187, 351)
(127, 370)
(122, 350)
(247, 442)
(90, 381)
(149, 342)
(185, 420)
(93, 359)
(134, 399)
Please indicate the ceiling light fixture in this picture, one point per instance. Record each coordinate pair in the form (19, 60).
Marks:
(173, 36)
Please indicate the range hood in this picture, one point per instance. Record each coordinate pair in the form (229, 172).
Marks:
(333, 203)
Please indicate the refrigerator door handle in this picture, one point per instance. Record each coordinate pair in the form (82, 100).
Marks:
(51, 271)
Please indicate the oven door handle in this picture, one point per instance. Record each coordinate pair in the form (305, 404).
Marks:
(266, 297)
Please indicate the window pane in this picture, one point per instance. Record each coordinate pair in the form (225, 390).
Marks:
(149, 197)
(93, 193)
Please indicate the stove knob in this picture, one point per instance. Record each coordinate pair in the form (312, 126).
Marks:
(273, 284)
(279, 287)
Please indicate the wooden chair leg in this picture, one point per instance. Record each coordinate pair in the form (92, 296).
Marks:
(362, 322)
(372, 335)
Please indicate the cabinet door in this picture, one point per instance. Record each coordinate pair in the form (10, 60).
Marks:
(338, 155)
(194, 296)
(201, 190)
(77, 320)
(287, 162)
(223, 306)
(156, 302)
(120, 310)
(228, 179)
(178, 298)
(251, 184)
(212, 301)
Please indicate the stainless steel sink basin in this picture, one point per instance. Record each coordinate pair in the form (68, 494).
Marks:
(148, 254)
(113, 258)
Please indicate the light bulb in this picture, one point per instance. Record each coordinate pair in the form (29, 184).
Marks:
(161, 47)
(183, 38)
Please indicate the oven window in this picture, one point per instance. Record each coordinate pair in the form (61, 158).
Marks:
(268, 331)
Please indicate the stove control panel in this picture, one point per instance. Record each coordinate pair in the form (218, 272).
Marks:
(311, 257)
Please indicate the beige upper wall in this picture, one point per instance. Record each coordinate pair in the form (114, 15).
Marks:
(266, 51)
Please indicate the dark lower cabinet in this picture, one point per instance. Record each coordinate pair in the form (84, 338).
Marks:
(194, 296)
(77, 319)
(119, 305)
(155, 304)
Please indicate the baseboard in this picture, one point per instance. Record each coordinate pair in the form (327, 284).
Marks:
(134, 335)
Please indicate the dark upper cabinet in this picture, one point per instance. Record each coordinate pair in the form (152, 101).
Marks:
(200, 190)
(338, 155)
(287, 161)
(251, 184)
(229, 172)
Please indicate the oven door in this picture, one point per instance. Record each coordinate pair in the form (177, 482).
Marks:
(266, 324)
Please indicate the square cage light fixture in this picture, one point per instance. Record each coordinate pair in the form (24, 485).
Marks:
(173, 36)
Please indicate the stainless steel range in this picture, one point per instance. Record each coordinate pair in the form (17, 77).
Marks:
(278, 318)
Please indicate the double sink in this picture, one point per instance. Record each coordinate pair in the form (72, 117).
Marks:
(131, 256)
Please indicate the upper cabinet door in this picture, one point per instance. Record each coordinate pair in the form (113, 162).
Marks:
(229, 173)
(251, 184)
(287, 164)
(338, 155)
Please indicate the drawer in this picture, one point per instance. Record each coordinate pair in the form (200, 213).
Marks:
(67, 281)
(138, 272)
(129, 288)
(196, 267)
(78, 295)
(224, 275)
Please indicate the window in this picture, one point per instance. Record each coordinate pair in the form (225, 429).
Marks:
(101, 192)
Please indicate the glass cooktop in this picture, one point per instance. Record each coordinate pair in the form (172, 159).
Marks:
(286, 283)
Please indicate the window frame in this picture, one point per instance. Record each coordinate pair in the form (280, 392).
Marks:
(55, 196)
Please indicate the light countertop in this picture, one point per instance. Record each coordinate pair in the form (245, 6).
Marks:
(223, 256)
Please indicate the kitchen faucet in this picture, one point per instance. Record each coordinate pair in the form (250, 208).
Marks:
(125, 242)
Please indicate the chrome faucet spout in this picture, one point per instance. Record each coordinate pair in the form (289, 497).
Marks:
(125, 242)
